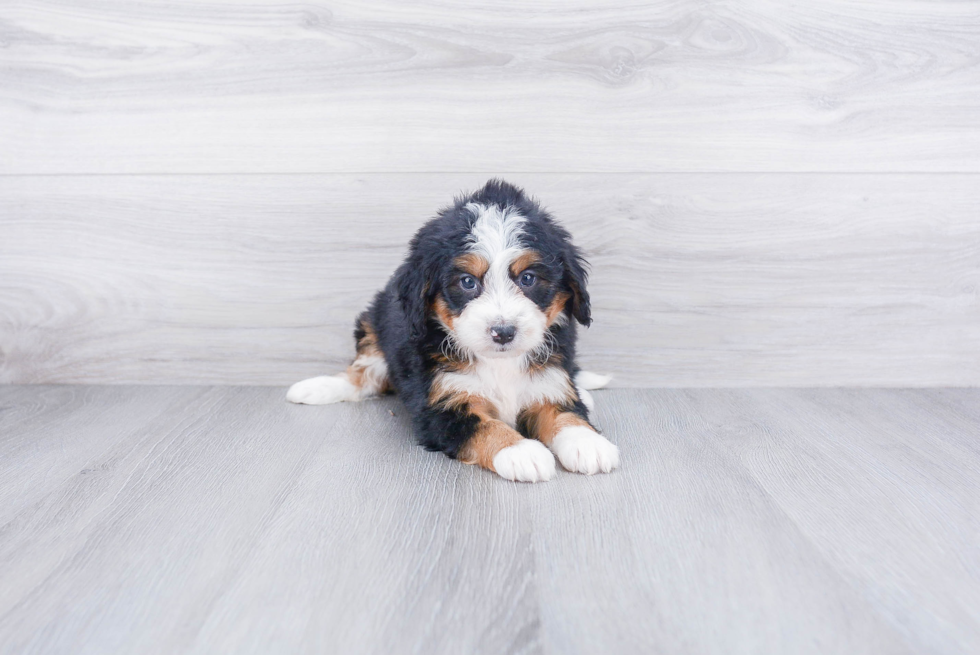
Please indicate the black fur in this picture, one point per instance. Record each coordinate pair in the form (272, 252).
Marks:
(410, 338)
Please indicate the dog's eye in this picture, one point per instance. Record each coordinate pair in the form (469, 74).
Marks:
(468, 282)
(527, 279)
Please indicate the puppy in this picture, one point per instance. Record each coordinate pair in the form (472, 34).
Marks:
(475, 332)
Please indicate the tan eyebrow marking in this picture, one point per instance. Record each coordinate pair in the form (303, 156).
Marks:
(473, 264)
(525, 259)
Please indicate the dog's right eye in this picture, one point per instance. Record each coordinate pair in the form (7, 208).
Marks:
(468, 282)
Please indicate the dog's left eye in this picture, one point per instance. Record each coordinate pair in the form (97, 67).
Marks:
(527, 279)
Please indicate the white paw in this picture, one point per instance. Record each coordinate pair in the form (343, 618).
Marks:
(582, 450)
(323, 390)
(526, 461)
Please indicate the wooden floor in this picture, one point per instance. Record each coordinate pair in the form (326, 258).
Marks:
(222, 519)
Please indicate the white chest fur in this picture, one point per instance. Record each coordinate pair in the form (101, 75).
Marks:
(509, 385)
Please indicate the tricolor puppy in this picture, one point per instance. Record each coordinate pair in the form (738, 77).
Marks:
(476, 332)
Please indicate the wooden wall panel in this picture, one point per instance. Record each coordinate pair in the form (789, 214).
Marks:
(698, 279)
(111, 86)
(772, 193)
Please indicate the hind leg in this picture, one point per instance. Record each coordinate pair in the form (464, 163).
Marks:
(366, 376)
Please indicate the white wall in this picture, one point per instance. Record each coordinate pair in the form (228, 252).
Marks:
(770, 193)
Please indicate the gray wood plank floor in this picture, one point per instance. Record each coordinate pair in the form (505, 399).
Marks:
(222, 519)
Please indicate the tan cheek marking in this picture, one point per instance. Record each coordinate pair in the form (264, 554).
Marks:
(442, 311)
(556, 307)
(545, 421)
(491, 437)
(525, 259)
(473, 264)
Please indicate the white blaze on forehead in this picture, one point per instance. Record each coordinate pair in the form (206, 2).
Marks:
(496, 233)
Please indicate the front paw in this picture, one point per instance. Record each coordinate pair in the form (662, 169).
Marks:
(525, 461)
(583, 450)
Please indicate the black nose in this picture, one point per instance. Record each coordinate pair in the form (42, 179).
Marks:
(503, 333)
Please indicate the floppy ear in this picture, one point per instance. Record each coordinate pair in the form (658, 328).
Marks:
(576, 278)
(415, 290)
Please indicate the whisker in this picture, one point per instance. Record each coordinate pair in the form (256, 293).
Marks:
(543, 351)
(453, 351)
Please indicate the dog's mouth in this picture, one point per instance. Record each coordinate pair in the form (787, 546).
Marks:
(501, 351)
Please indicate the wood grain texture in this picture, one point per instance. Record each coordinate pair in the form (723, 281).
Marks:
(697, 280)
(270, 86)
(916, 470)
(208, 520)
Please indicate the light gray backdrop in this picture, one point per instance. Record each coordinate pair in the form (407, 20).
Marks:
(770, 193)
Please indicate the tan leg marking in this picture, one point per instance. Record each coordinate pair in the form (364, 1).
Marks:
(492, 436)
(545, 421)
(368, 344)
(368, 370)
(441, 398)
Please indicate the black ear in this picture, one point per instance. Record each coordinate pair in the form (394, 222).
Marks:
(577, 278)
(415, 290)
